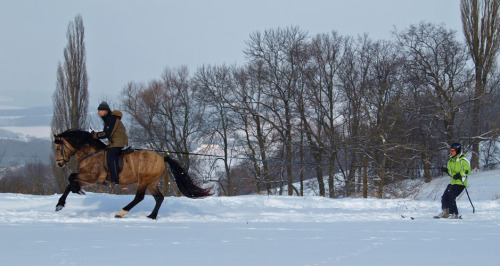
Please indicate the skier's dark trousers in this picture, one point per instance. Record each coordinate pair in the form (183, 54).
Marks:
(448, 200)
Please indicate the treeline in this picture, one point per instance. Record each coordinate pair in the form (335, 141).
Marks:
(32, 178)
(364, 113)
(357, 115)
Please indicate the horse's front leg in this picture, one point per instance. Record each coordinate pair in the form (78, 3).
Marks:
(73, 186)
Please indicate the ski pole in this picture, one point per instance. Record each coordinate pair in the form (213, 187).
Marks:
(473, 209)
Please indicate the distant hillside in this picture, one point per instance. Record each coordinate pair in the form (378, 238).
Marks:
(36, 116)
(15, 152)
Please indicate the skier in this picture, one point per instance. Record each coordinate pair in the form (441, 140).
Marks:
(115, 132)
(458, 168)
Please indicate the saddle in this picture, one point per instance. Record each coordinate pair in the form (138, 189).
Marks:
(122, 154)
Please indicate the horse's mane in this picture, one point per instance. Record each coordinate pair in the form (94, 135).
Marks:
(78, 138)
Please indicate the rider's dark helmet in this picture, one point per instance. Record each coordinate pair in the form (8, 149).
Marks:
(456, 146)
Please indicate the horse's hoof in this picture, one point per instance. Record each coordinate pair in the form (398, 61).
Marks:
(121, 213)
(59, 207)
(81, 192)
(152, 217)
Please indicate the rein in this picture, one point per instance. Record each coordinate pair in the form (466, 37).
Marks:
(72, 152)
(88, 156)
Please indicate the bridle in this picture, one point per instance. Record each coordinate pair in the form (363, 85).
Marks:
(64, 147)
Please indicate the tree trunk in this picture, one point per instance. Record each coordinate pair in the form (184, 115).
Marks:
(365, 177)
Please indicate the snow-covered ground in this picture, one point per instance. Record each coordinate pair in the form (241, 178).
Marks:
(254, 230)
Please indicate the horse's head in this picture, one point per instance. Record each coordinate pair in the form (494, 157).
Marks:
(72, 140)
(64, 151)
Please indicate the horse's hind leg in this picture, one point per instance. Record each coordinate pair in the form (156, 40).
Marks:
(159, 200)
(139, 196)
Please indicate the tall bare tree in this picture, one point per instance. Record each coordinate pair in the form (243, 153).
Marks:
(258, 135)
(354, 81)
(481, 26)
(436, 63)
(165, 115)
(216, 86)
(437, 74)
(322, 93)
(282, 52)
(383, 111)
(70, 99)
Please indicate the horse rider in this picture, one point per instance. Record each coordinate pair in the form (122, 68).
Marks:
(116, 133)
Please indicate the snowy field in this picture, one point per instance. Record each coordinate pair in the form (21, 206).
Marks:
(254, 230)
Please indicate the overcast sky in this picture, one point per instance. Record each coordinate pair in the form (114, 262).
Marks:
(129, 40)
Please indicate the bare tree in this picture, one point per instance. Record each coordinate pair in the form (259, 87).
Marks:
(481, 26)
(70, 99)
(71, 96)
(436, 73)
(436, 63)
(282, 52)
(165, 114)
(215, 87)
(318, 112)
(354, 81)
(383, 111)
(258, 134)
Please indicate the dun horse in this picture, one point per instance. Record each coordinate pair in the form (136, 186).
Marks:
(145, 168)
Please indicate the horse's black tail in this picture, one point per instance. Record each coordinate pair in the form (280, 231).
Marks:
(185, 182)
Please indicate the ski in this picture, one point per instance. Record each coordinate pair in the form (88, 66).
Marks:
(404, 217)
(437, 217)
